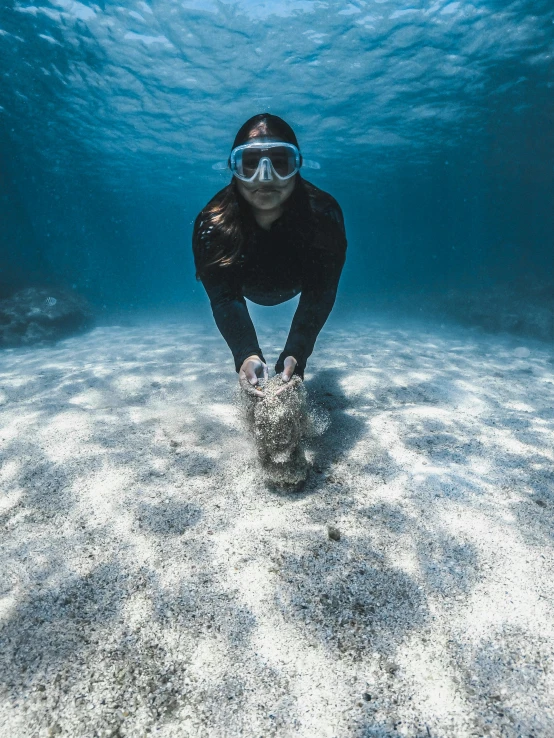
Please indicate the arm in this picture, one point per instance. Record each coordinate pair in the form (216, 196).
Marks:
(231, 314)
(223, 287)
(322, 268)
(316, 303)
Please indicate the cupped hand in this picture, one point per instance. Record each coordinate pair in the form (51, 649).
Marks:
(252, 370)
(288, 370)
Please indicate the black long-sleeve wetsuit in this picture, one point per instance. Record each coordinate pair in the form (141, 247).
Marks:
(303, 251)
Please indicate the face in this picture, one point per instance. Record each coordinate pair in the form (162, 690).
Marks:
(266, 195)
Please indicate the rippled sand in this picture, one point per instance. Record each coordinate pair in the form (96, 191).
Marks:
(152, 581)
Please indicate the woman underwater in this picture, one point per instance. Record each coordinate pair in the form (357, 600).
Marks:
(268, 236)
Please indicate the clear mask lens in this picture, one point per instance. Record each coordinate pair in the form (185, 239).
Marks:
(265, 160)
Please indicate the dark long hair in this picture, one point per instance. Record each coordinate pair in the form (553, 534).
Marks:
(223, 226)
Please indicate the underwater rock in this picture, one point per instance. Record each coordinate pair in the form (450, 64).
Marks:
(280, 424)
(40, 315)
(525, 311)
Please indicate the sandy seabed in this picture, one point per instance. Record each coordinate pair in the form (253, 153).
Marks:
(152, 584)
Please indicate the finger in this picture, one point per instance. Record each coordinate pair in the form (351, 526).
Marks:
(282, 389)
(288, 369)
(250, 373)
(245, 380)
(261, 371)
(250, 389)
(266, 373)
(248, 384)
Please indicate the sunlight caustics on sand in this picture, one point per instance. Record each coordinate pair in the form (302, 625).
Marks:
(151, 580)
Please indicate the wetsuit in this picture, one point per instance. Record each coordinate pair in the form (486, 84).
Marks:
(303, 251)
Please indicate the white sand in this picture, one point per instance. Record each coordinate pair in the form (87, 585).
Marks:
(151, 584)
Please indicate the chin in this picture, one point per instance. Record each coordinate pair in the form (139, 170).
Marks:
(272, 199)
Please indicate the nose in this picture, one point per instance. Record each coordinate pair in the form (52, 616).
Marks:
(265, 170)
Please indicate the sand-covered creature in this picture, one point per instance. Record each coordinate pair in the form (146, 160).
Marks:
(280, 423)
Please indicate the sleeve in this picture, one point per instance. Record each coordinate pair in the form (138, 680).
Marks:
(231, 314)
(222, 285)
(322, 269)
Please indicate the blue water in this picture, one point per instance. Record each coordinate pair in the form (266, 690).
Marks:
(432, 122)
(151, 582)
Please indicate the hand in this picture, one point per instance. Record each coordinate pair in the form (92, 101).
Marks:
(288, 370)
(289, 367)
(251, 370)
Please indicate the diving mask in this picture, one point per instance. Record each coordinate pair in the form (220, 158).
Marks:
(265, 160)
